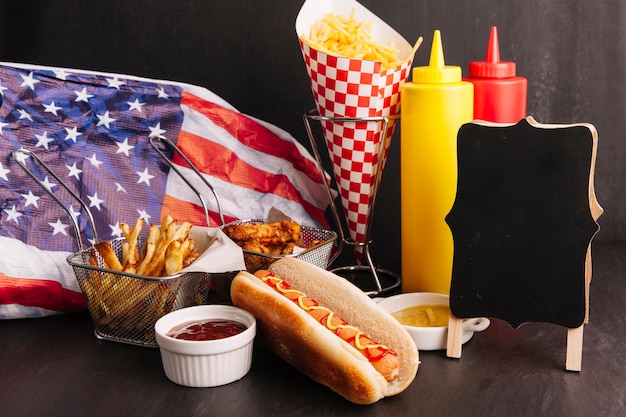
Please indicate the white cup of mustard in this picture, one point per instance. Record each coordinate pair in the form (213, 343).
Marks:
(425, 316)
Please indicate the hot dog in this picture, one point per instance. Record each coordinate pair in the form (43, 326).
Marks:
(328, 329)
(384, 360)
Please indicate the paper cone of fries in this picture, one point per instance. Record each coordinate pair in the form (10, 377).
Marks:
(348, 87)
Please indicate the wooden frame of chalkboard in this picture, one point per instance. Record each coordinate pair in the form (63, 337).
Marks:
(523, 219)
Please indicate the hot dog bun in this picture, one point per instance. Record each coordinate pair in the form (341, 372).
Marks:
(314, 350)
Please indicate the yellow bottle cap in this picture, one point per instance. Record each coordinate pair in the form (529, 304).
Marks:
(437, 72)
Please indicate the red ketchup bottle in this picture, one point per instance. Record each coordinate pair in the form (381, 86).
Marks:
(499, 95)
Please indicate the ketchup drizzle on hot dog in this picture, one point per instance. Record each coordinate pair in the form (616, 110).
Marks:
(369, 347)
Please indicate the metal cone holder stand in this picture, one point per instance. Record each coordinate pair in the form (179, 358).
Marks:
(378, 281)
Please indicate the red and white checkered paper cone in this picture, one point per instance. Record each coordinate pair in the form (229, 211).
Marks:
(348, 87)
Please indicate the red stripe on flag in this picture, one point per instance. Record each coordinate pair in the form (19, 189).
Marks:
(252, 134)
(222, 163)
(40, 293)
(193, 213)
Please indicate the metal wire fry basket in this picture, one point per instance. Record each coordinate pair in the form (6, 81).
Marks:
(124, 307)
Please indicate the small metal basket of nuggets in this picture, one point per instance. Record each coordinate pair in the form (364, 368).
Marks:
(264, 242)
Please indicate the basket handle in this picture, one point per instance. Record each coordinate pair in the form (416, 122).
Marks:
(20, 161)
(194, 169)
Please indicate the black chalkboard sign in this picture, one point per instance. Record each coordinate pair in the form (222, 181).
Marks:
(522, 221)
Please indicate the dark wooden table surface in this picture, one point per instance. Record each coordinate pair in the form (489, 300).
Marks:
(56, 367)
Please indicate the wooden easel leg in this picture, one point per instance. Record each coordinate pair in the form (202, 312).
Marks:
(574, 354)
(455, 337)
(587, 282)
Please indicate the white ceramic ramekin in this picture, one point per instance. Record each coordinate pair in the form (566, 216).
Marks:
(430, 338)
(207, 363)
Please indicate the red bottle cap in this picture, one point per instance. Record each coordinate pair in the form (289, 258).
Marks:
(492, 67)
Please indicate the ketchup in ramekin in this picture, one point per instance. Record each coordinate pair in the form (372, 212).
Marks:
(206, 330)
(206, 363)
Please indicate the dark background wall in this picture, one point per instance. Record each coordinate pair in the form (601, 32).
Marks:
(573, 53)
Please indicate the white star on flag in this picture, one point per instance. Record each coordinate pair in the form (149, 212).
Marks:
(144, 177)
(61, 74)
(105, 120)
(43, 140)
(119, 187)
(74, 213)
(31, 199)
(135, 105)
(74, 171)
(162, 93)
(115, 82)
(116, 230)
(59, 227)
(47, 184)
(124, 147)
(144, 215)
(4, 172)
(83, 95)
(21, 157)
(95, 201)
(24, 114)
(156, 131)
(29, 81)
(13, 214)
(51, 108)
(72, 134)
(94, 161)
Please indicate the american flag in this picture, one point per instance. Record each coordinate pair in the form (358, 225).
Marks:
(93, 130)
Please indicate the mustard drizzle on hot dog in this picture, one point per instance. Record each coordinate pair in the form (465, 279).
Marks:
(285, 289)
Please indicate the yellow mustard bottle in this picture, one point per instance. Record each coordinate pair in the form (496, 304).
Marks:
(434, 106)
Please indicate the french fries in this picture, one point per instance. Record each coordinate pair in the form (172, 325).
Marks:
(129, 306)
(347, 37)
(163, 253)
